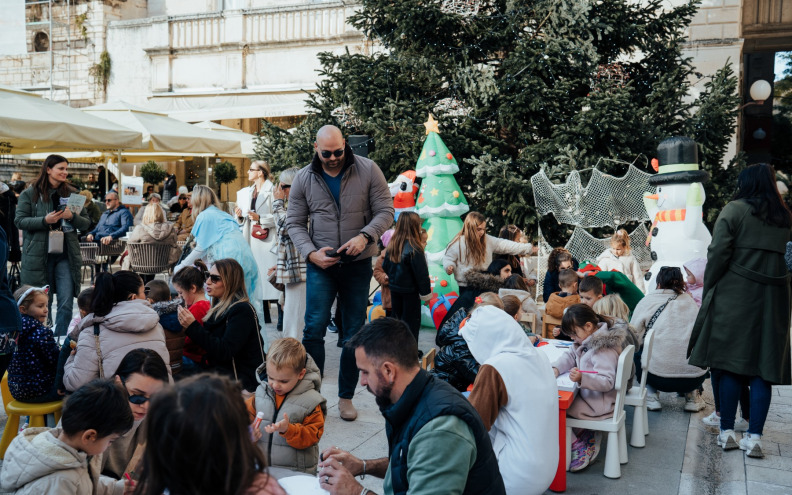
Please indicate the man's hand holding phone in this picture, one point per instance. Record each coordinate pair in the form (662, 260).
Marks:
(324, 258)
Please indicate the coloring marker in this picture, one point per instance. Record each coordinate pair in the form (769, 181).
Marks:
(129, 478)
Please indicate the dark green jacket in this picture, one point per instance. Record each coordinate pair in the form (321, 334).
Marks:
(35, 239)
(743, 323)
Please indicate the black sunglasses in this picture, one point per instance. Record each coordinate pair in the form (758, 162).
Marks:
(134, 399)
(108, 200)
(214, 278)
(337, 153)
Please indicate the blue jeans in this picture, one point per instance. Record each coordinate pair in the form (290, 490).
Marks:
(60, 273)
(351, 282)
(731, 386)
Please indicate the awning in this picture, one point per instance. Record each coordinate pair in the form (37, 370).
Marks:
(196, 108)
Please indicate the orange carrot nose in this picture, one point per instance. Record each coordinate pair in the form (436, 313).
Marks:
(653, 196)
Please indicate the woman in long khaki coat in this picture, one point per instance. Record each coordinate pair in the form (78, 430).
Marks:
(742, 328)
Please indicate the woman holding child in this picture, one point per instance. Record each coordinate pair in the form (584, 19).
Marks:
(742, 328)
(230, 332)
(120, 320)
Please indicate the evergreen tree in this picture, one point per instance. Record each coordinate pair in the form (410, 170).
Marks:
(520, 85)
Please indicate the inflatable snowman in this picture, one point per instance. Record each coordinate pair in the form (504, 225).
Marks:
(678, 233)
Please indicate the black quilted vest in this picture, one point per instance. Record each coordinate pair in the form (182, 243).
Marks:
(424, 399)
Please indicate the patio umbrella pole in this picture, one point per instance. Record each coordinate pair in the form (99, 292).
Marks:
(206, 162)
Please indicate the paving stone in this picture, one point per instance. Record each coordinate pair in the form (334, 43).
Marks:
(770, 462)
(769, 476)
(757, 488)
(690, 484)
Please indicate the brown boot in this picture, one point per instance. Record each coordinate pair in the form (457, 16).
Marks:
(347, 410)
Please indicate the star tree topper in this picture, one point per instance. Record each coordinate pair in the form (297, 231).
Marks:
(431, 125)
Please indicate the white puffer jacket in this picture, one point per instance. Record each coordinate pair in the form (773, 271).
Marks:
(38, 462)
(130, 325)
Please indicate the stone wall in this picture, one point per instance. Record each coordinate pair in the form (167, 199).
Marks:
(86, 24)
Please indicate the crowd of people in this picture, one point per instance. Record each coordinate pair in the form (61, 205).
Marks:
(145, 355)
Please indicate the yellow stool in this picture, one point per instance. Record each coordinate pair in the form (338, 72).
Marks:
(14, 409)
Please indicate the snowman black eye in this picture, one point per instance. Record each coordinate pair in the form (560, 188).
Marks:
(659, 189)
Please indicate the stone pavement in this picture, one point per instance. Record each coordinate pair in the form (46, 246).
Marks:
(680, 456)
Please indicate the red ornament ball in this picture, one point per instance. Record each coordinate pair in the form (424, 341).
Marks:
(421, 198)
(655, 164)
(449, 156)
(443, 283)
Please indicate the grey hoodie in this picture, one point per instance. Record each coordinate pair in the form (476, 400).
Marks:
(37, 462)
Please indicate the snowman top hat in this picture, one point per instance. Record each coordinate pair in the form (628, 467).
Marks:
(678, 157)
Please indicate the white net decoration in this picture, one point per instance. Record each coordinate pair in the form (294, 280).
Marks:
(465, 8)
(606, 201)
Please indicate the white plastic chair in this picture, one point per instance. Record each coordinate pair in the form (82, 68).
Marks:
(637, 396)
(616, 453)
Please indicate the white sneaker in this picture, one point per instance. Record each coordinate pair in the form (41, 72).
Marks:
(728, 440)
(752, 445)
(694, 402)
(740, 424)
(653, 401)
(714, 420)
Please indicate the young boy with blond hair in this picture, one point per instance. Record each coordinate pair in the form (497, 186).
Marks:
(291, 392)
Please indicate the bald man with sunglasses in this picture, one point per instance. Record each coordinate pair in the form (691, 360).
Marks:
(339, 205)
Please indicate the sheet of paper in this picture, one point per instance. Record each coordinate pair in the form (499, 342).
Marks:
(564, 383)
(553, 351)
(243, 200)
(76, 203)
(302, 485)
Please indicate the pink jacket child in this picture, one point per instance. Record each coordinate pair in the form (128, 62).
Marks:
(695, 278)
(600, 353)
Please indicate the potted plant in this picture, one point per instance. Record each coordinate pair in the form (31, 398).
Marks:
(152, 173)
(224, 173)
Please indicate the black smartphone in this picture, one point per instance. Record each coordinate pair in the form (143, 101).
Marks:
(332, 254)
(61, 207)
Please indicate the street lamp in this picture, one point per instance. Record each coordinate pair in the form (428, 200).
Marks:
(760, 91)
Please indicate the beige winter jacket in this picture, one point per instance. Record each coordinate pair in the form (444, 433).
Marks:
(626, 264)
(37, 463)
(157, 233)
(456, 255)
(130, 325)
(672, 332)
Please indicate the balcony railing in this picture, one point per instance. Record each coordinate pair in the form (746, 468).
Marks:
(287, 24)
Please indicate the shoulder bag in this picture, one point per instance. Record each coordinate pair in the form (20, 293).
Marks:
(657, 313)
(99, 351)
(259, 232)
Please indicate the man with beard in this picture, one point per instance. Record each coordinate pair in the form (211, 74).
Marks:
(437, 441)
(346, 201)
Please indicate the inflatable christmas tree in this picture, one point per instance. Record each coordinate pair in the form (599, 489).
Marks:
(440, 203)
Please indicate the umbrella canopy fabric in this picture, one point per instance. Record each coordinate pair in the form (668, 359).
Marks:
(244, 138)
(162, 133)
(29, 123)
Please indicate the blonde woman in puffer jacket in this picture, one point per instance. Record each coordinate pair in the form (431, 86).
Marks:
(124, 321)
